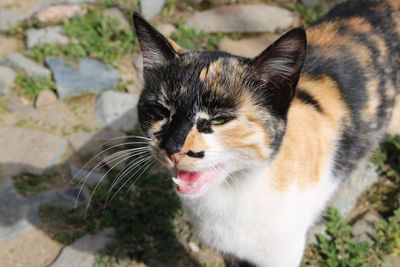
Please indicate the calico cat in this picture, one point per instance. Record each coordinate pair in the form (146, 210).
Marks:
(259, 144)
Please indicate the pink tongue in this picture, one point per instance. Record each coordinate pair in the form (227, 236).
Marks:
(188, 177)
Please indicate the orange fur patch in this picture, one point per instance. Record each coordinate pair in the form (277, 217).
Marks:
(310, 136)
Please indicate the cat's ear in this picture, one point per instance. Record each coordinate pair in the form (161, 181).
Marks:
(155, 48)
(279, 66)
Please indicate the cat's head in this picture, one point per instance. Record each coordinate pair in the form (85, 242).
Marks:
(211, 114)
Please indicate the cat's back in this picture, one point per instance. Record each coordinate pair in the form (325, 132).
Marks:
(352, 68)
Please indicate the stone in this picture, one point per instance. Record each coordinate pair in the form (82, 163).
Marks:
(117, 111)
(26, 65)
(7, 78)
(19, 214)
(116, 14)
(391, 261)
(49, 35)
(150, 8)
(249, 47)
(45, 98)
(36, 246)
(315, 230)
(130, 76)
(81, 252)
(10, 18)
(29, 151)
(89, 177)
(364, 228)
(242, 18)
(345, 198)
(166, 29)
(9, 45)
(59, 13)
(90, 76)
(138, 63)
(89, 143)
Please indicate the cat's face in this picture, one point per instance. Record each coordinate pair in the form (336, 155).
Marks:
(211, 114)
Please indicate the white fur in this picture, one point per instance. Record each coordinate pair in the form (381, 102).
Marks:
(251, 220)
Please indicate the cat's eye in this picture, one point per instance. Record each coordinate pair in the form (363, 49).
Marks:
(220, 120)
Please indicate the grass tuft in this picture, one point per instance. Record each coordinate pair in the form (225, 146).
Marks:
(31, 87)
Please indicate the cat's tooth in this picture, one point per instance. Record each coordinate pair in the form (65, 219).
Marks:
(177, 181)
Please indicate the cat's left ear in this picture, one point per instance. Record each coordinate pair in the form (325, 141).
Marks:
(279, 66)
(155, 48)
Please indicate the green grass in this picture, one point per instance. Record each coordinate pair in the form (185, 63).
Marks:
(3, 106)
(31, 87)
(31, 184)
(96, 36)
(338, 249)
(307, 14)
(190, 38)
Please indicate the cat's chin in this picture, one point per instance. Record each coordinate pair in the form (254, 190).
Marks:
(194, 184)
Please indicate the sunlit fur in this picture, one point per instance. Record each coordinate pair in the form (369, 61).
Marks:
(292, 128)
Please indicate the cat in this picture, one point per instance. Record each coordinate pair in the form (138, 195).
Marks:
(259, 145)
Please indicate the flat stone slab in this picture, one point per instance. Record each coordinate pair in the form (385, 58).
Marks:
(242, 18)
(117, 111)
(10, 18)
(81, 252)
(21, 63)
(28, 151)
(90, 76)
(249, 47)
(49, 35)
(7, 78)
(150, 8)
(58, 13)
(10, 45)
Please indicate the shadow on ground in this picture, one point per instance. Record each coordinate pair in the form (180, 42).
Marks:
(147, 217)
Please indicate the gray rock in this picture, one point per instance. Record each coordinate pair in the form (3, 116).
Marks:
(91, 143)
(58, 13)
(28, 151)
(364, 228)
(194, 2)
(80, 175)
(45, 98)
(391, 261)
(117, 111)
(116, 14)
(26, 65)
(242, 18)
(166, 29)
(311, 2)
(150, 8)
(7, 78)
(138, 63)
(361, 179)
(19, 214)
(49, 35)
(314, 230)
(90, 76)
(249, 47)
(81, 252)
(10, 18)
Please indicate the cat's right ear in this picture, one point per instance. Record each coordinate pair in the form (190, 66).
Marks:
(155, 48)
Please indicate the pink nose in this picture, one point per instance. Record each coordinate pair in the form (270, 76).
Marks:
(175, 158)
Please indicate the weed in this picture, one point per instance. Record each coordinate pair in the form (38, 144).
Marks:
(338, 249)
(98, 37)
(388, 235)
(308, 14)
(21, 123)
(3, 106)
(30, 184)
(31, 87)
(191, 39)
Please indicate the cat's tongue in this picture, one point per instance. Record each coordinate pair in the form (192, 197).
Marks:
(192, 182)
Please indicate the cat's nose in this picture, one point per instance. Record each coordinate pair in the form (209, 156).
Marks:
(175, 158)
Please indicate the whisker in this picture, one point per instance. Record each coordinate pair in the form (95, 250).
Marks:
(123, 174)
(141, 173)
(129, 180)
(104, 162)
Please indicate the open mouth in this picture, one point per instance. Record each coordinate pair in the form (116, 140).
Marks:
(192, 183)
